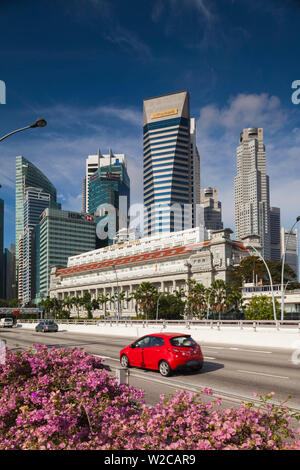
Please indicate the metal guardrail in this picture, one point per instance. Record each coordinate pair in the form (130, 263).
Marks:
(218, 324)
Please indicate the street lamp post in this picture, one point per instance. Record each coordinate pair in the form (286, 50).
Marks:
(208, 302)
(118, 311)
(157, 304)
(38, 123)
(282, 267)
(270, 277)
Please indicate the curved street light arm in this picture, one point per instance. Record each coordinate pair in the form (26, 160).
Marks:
(38, 123)
(270, 277)
(282, 268)
(14, 132)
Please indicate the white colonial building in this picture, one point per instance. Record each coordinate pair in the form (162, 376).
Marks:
(166, 260)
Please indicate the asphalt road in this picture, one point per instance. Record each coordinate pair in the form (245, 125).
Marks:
(233, 372)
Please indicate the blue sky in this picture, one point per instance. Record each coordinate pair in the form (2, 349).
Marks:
(87, 65)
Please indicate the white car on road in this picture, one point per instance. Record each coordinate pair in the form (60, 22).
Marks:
(6, 322)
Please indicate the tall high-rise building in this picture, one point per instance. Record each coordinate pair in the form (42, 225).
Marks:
(10, 273)
(275, 233)
(2, 263)
(289, 244)
(93, 163)
(107, 186)
(212, 209)
(27, 174)
(251, 189)
(62, 234)
(36, 201)
(171, 164)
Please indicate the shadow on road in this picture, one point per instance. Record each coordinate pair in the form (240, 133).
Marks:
(207, 367)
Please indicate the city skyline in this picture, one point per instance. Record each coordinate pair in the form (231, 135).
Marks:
(91, 111)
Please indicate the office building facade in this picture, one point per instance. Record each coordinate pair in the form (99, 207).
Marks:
(2, 263)
(109, 201)
(10, 273)
(211, 208)
(94, 163)
(36, 201)
(171, 164)
(251, 189)
(62, 234)
(275, 233)
(27, 174)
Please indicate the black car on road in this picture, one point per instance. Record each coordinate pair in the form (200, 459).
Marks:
(47, 325)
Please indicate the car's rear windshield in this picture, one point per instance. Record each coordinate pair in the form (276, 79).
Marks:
(183, 342)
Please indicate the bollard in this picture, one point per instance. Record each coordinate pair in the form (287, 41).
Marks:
(241, 325)
(254, 326)
(2, 351)
(218, 325)
(277, 325)
(122, 374)
(211, 325)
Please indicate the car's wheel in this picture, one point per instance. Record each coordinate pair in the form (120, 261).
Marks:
(124, 361)
(164, 369)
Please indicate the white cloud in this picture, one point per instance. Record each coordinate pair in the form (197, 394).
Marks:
(218, 130)
(128, 41)
(245, 110)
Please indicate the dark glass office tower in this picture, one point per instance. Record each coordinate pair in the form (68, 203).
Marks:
(27, 174)
(2, 264)
(109, 196)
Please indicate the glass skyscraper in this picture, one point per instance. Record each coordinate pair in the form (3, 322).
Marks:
(27, 174)
(107, 186)
(2, 264)
(171, 164)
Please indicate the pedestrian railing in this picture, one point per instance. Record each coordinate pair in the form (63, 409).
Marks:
(189, 324)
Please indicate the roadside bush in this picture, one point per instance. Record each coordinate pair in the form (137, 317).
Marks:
(65, 399)
(260, 307)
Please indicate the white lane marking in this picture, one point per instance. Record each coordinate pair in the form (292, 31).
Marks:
(114, 359)
(262, 373)
(251, 350)
(237, 349)
(106, 357)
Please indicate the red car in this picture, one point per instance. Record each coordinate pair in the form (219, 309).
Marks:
(166, 352)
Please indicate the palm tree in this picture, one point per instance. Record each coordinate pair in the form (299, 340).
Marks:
(146, 297)
(47, 305)
(77, 301)
(235, 299)
(68, 302)
(89, 304)
(103, 299)
(220, 291)
(196, 298)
